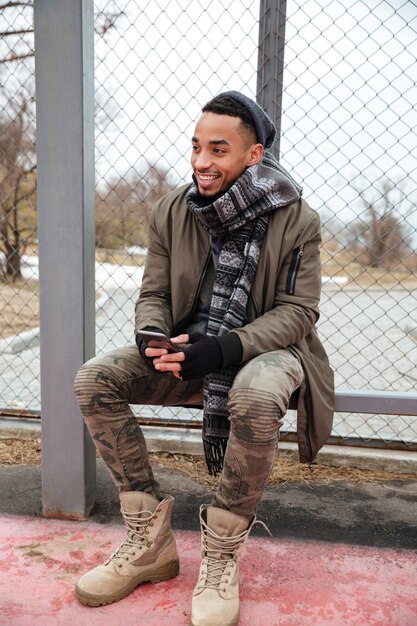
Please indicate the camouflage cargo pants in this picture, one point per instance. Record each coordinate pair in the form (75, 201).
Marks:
(106, 385)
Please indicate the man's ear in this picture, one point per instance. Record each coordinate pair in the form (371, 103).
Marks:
(256, 154)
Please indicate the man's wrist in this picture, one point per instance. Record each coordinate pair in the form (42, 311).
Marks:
(153, 329)
(231, 347)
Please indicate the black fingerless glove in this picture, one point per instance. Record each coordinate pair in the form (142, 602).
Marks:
(142, 345)
(207, 354)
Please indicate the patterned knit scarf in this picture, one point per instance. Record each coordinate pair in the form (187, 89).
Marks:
(241, 214)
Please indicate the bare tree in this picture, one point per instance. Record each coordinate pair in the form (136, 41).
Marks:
(17, 122)
(17, 188)
(17, 35)
(123, 206)
(383, 232)
(17, 32)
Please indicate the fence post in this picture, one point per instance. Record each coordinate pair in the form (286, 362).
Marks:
(65, 151)
(271, 47)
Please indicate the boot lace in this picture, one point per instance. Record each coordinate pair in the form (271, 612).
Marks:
(136, 540)
(221, 554)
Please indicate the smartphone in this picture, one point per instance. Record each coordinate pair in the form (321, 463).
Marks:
(157, 340)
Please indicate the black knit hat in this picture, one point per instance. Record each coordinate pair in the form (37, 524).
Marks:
(265, 128)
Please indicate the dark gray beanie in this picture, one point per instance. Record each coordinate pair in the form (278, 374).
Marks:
(265, 128)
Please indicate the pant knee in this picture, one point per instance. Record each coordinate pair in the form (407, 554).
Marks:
(260, 395)
(255, 417)
(85, 381)
(98, 392)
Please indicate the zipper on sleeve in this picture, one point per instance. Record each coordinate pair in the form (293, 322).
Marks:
(296, 257)
(309, 434)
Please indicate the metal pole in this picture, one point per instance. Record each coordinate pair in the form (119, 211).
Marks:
(65, 147)
(271, 47)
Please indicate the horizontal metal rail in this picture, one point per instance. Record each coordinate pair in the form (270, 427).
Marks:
(347, 401)
(378, 402)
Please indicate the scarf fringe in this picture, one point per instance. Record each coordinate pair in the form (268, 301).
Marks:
(214, 452)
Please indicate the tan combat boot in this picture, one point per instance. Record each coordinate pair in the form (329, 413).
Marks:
(216, 595)
(148, 554)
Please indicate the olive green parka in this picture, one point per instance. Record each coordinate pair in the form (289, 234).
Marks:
(283, 307)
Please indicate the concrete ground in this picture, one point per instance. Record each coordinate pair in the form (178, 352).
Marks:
(341, 554)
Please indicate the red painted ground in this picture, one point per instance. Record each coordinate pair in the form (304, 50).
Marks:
(283, 583)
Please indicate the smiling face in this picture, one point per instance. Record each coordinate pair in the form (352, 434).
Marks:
(221, 151)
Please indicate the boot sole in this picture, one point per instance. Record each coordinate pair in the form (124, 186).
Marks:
(159, 575)
(234, 622)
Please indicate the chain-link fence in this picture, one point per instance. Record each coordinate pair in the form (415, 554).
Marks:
(19, 293)
(347, 134)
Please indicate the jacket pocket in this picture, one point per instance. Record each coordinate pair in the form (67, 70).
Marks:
(296, 257)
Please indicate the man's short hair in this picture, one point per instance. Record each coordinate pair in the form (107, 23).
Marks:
(255, 121)
(226, 105)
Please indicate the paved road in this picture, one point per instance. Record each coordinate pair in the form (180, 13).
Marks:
(372, 514)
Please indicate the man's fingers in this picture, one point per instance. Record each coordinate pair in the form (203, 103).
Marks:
(167, 367)
(180, 338)
(155, 352)
(172, 357)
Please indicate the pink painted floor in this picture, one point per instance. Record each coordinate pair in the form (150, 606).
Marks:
(283, 583)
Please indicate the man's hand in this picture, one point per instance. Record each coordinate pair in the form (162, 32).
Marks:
(202, 357)
(164, 361)
(149, 354)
